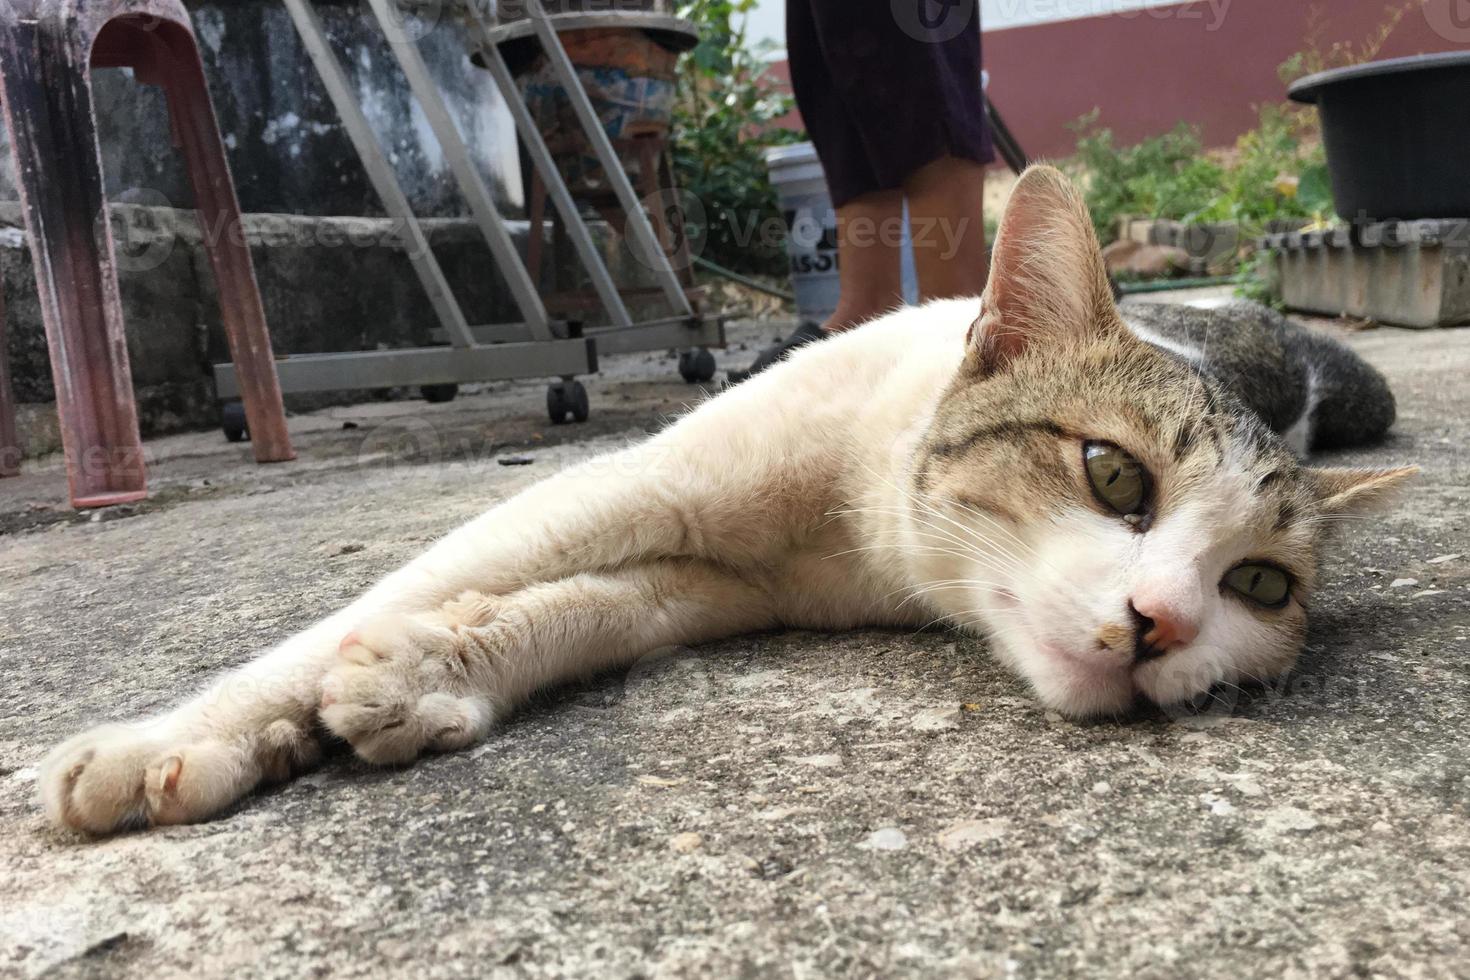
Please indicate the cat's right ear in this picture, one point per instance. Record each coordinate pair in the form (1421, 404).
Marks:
(1048, 284)
(1343, 491)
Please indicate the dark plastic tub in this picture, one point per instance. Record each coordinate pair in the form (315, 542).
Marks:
(1397, 135)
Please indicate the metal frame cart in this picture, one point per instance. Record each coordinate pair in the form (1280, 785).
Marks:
(537, 346)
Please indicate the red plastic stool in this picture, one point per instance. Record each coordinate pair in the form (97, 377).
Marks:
(47, 51)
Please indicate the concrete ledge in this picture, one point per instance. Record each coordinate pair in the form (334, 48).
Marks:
(1207, 244)
(1408, 274)
(328, 284)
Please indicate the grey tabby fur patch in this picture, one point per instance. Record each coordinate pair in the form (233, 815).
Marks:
(1313, 390)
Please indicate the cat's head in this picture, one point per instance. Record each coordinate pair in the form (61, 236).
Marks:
(1120, 527)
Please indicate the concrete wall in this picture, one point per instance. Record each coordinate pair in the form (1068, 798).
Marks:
(327, 283)
(287, 150)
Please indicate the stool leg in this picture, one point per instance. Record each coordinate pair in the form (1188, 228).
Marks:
(683, 261)
(648, 189)
(229, 255)
(9, 442)
(48, 109)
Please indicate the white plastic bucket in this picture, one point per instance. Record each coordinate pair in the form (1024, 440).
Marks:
(811, 231)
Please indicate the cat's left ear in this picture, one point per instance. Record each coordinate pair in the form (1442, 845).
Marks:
(1355, 491)
(1048, 284)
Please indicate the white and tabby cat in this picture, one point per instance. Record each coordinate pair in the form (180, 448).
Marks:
(1117, 520)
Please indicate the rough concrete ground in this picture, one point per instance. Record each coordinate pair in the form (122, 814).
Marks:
(870, 804)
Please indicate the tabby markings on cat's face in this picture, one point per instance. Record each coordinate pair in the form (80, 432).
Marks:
(1127, 539)
(1119, 526)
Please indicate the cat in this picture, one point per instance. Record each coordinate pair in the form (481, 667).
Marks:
(1094, 500)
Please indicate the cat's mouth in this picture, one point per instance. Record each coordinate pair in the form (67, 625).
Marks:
(1097, 656)
(1122, 681)
(1085, 678)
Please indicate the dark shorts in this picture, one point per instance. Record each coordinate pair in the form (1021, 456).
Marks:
(887, 86)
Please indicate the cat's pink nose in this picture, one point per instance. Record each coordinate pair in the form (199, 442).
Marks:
(1163, 622)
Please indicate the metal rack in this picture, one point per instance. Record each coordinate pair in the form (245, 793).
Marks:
(538, 346)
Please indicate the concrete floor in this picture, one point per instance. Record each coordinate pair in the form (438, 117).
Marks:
(797, 805)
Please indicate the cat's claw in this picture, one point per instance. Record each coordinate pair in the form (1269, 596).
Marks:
(401, 686)
(126, 777)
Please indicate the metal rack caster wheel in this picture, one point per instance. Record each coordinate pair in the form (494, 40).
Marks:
(696, 365)
(567, 398)
(438, 394)
(232, 420)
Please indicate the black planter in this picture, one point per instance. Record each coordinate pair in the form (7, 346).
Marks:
(1397, 135)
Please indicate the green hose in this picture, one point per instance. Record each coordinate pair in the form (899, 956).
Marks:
(1165, 285)
(1126, 288)
(746, 281)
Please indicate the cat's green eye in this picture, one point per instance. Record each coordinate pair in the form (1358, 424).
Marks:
(1118, 479)
(1264, 584)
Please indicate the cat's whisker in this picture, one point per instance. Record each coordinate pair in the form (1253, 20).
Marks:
(939, 584)
(988, 543)
(928, 549)
(990, 519)
(970, 585)
(952, 621)
(914, 500)
(995, 563)
(933, 530)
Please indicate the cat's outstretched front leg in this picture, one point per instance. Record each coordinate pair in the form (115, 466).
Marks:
(391, 681)
(403, 684)
(669, 500)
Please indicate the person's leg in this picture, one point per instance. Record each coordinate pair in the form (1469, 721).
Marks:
(869, 213)
(869, 233)
(911, 90)
(947, 223)
(892, 108)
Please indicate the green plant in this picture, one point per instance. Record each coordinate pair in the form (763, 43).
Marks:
(722, 126)
(1164, 176)
(1288, 143)
(1279, 173)
(1257, 278)
(1276, 173)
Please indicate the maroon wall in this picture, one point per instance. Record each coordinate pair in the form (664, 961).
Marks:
(1148, 70)
(779, 74)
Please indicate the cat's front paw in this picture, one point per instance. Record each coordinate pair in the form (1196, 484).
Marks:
(126, 777)
(402, 685)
